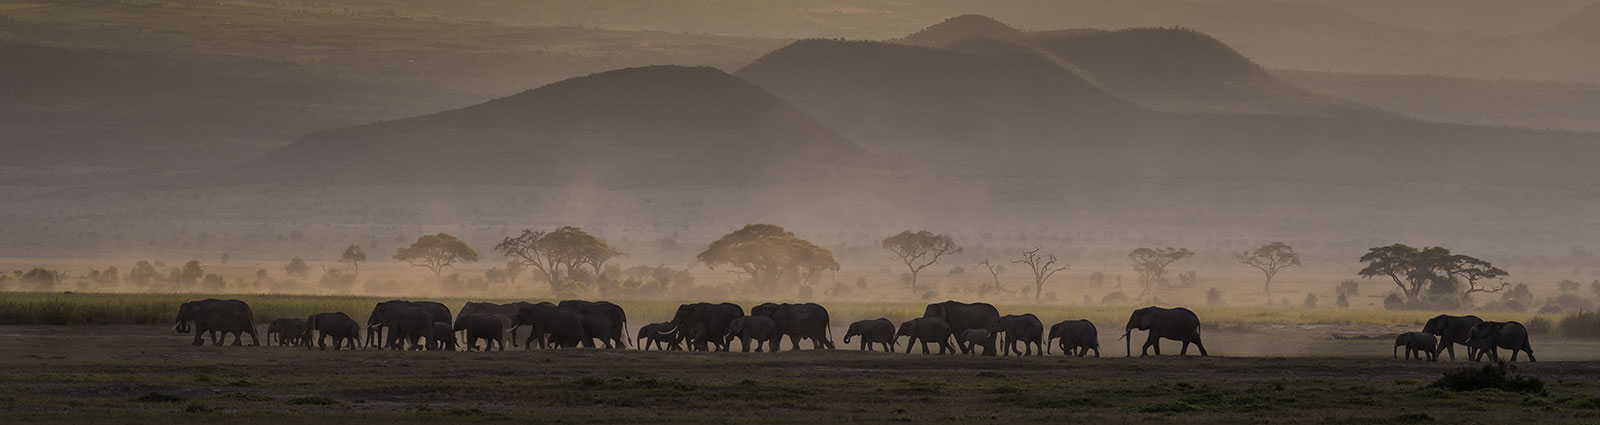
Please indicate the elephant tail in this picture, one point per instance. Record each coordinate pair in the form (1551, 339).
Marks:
(829, 327)
(625, 334)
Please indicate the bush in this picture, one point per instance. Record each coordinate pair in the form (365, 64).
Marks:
(1501, 376)
(1540, 325)
(1311, 301)
(1584, 324)
(1214, 298)
(1343, 302)
(1571, 302)
(1114, 298)
(1394, 302)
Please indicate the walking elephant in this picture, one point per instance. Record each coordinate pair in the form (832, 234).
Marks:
(971, 339)
(702, 323)
(1452, 330)
(962, 316)
(1077, 337)
(1418, 345)
(875, 331)
(1177, 324)
(406, 323)
(1025, 328)
(1489, 337)
(924, 330)
(760, 329)
(340, 326)
(214, 316)
(799, 321)
(444, 337)
(376, 326)
(614, 314)
(290, 332)
(562, 326)
(506, 313)
(652, 335)
(481, 326)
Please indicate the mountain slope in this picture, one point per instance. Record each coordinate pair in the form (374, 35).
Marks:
(657, 124)
(960, 28)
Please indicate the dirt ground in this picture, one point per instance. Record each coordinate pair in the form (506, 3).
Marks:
(149, 374)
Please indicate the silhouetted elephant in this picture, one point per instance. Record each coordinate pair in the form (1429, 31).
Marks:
(290, 332)
(444, 337)
(340, 326)
(761, 329)
(436, 313)
(1077, 337)
(598, 326)
(652, 335)
(924, 330)
(703, 323)
(1025, 328)
(970, 339)
(1418, 344)
(406, 323)
(481, 326)
(215, 316)
(614, 315)
(562, 326)
(1452, 330)
(1177, 324)
(799, 321)
(507, 313)
(1489, 337)
(875, 331)
(962, 316)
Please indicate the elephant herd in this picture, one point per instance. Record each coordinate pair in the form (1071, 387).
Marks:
(954, 327)
(1480, 338)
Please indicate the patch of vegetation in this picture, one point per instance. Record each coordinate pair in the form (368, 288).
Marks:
(1163, 407)
(457, 411)
(1065, 403)
(247, 397)
(158, 397)
(991, 374)
(312, 400)
(1500, 376)
(196, 408)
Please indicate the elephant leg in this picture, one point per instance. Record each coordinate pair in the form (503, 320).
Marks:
(794, 342)
(238, 339)
(1145, 350)
(1184, 351)
(1530, 355)
(1451, 347)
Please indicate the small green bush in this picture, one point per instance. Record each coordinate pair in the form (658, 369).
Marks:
(1500, 376)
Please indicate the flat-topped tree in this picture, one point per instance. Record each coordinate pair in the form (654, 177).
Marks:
(555, 252)
(1151, 264)
(1434, 268)
(1270, 259)
(354, 255)
(768, 254)
(918, 250)
(436, 252)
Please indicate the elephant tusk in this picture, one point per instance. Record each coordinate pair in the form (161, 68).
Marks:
(669, 331)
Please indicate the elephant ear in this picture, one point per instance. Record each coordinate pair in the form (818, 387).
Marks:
(1147, 320)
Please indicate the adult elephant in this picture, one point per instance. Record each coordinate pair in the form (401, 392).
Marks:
(215, 316)
(437, 313)
(1452, 330)
(798, 321)
(963, 316)
(290, 331)
(617, 318)
(481, 326)
(1489, 337)
(506, 313)
(705, 323)
(923, 330)
(1077, 337)
(549, 323)
(340, 326)
(1177, 324)
(405, 321)
(1025, 328)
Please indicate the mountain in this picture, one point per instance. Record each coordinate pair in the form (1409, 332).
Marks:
(960, 28)
(656, 124)
(1584, 24)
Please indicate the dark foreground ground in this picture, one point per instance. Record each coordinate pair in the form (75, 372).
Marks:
(149, 375)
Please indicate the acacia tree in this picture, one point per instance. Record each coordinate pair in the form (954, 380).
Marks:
(1043, 268)
(768, 254)
(1432, 268)
(918, 250)
(555, 252)
(994, 273)
(436, 252)
(1270, 259)
(1151, 264)
(353, 255)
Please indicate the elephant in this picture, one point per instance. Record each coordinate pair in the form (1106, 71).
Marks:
(762, 329)
(481, 326)
(340, 326)
(549, 323)
(925, 330)
(1177, 324)
(598, 326)
(971, 339)
(615, 315)
(799, 321)
(1489, 337)
(875, 331)
(1418, 344)
(651, 335)
(436, 312)
(407, 322)
(1452, 330)
(444, 337)
(701, 323)
(1025, 328)
(507, 313)
(962, 316)
(1078, 336)
(291, 332)
(218, 316)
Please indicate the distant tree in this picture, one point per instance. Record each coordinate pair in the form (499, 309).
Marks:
(40, 279)
(1151, 264)
(1311, 301)
(1567, 286)
(354, 255)
(1043, 268)
(1398, 262)
(297, 267)
(555, 252)
(190, 274)
(436, 252)
(768, 254)
(337, 280)
(1343, 301)
(994, 274)
(213, 283)
(261, 274)
(1433, 268)
(918, 250)
(1270, 259)
(1349, 288)
(1214, 298)
(1595, 288)
(108, 277)
(494, 275)
(143, 273)
(225, 258)
(513, 269)
(1097, 279)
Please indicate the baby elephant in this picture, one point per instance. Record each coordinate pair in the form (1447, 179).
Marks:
(487, 327)
(970, 339)
(876, 331)
(290, 331)
(340, 326)
(652, 335)
(444, 337)
(1417, 344)
(759, 328)
(926, 330)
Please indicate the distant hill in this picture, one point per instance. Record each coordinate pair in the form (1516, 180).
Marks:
(1457, 100)
(888, 94)
(961, 28)
(657, 124)
(1584, 23)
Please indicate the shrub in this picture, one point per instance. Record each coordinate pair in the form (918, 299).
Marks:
(1501, 376)
(1581, 324)
(1540, 325)
(1343, 302)
(1114, 298)
(1394, 302)
(1311, 301)
(1214, 298)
